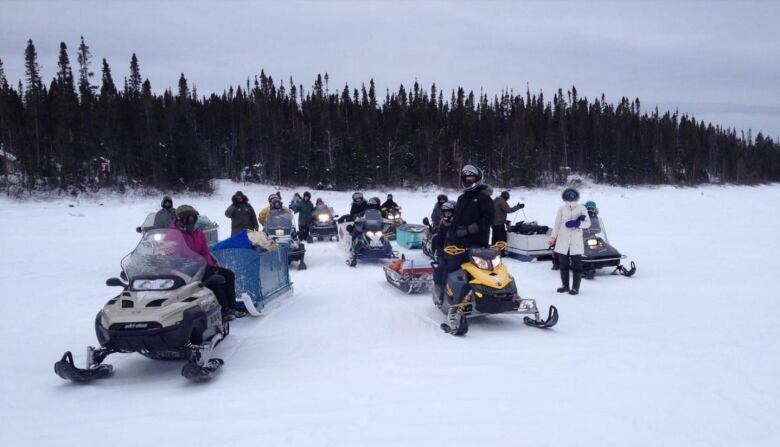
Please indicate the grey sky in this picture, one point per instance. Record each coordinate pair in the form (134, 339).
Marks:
(717, 60)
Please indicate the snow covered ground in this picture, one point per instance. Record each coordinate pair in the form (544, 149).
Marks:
(686, 353)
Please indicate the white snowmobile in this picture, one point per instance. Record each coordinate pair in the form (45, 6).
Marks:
(165, 312)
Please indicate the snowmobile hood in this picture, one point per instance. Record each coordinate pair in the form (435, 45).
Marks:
(498, 278)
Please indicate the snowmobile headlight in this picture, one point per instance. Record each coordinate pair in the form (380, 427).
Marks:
(482, 263)
(496, 261)
(279, 232)
(323, 218)
(593, 242)
(153, 284)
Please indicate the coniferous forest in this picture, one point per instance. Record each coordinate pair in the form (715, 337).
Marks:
(93, 127)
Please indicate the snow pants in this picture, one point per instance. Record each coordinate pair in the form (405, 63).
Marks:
(570, 262)
(226, 293)
(499, 233)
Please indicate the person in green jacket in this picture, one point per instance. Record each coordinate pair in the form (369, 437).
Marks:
(241, 214)
(499, 219)
(305, 208)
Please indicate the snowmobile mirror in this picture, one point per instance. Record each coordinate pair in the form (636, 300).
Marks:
(214, 280)
(123, 275)
(115, 282)
(138, 230)
(426, 222)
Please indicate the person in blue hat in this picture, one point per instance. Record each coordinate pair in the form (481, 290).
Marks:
(571, 219)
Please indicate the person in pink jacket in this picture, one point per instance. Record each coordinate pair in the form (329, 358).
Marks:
(187, 222)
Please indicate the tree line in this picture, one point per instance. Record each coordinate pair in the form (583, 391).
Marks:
(78, 132)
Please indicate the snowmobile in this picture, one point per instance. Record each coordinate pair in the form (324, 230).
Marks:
(165, 312)
(483, 286)
(409, 276)
(279, 227)
(393, 218)
(323, 225)
(599, 253)
(368, 239)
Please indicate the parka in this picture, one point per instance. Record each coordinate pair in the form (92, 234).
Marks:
(569, 240)
(241, 215)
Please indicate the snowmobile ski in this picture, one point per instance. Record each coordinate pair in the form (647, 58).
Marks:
(552, 320)
(246, 299)
(66, 369)
(196, 373)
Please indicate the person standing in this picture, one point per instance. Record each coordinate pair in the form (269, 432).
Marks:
(571, 219)
(166, 215)
(502, 209)
(305, 209)
(241, 214)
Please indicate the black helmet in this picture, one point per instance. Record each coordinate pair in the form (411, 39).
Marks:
(448, 206)
(570, 195)
(357, 195)
(470, 171)
(374, 202)
(505, 195)
(441, 198)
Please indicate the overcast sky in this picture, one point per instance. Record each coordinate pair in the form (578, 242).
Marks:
(719, 61)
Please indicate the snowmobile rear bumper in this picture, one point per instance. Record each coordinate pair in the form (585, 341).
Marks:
(149, 336)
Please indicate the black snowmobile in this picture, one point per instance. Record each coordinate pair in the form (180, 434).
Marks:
(165, 312)
(429, 240)
(370, 241)
(598, 251)
(323, 225)
(483, 286)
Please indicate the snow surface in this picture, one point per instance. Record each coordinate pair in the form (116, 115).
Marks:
(685, 353)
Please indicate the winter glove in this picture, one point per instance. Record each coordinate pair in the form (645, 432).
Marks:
(520, 206)
(581, 218)
(473, 228)
(574, 223)
(461, 232)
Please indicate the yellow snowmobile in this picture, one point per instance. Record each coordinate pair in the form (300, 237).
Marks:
(483, 286)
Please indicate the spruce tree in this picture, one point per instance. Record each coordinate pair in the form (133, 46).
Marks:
(134, 83)
(86, 91)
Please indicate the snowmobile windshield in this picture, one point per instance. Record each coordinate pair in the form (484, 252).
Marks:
(596, 228)
(373, 220)
(323, 210)
(164, 253)
(278, 219)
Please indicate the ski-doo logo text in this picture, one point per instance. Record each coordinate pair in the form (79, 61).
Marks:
(136, 325)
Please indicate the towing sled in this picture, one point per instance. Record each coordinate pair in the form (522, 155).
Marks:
(409, 276)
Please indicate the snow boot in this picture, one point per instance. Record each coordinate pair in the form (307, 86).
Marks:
(575, 289)
(564, 282)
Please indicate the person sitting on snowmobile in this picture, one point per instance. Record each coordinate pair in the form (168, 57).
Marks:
(502, 209)
(358, 206)
(571, 219)
(441, 199)
(166, 215)
(187, 222)
(305, 209)
(474, 214)
(593, 210)
(241, 214)
(264, 212)
(389, 205)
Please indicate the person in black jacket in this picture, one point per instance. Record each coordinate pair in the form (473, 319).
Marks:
(358, 205)
(389, 205)
(474, 211)
(471, 223)
(436, 213)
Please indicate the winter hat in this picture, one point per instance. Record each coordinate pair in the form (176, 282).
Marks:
(307, 194)
(570, 195)
(166, 199)
(591, 205)
(505, 195)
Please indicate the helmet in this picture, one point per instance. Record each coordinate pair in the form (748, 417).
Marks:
(505, 195)
(390, 196)
(275, 201)
(448, 206)
(374, 202)
(590, 205)
(272, 197)
(470, 171)
(356, 196)
(570, 195)
(441, 198)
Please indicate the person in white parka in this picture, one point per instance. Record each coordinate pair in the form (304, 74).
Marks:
(571, 219)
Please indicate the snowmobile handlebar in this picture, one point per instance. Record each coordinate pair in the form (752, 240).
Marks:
(454, 250)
